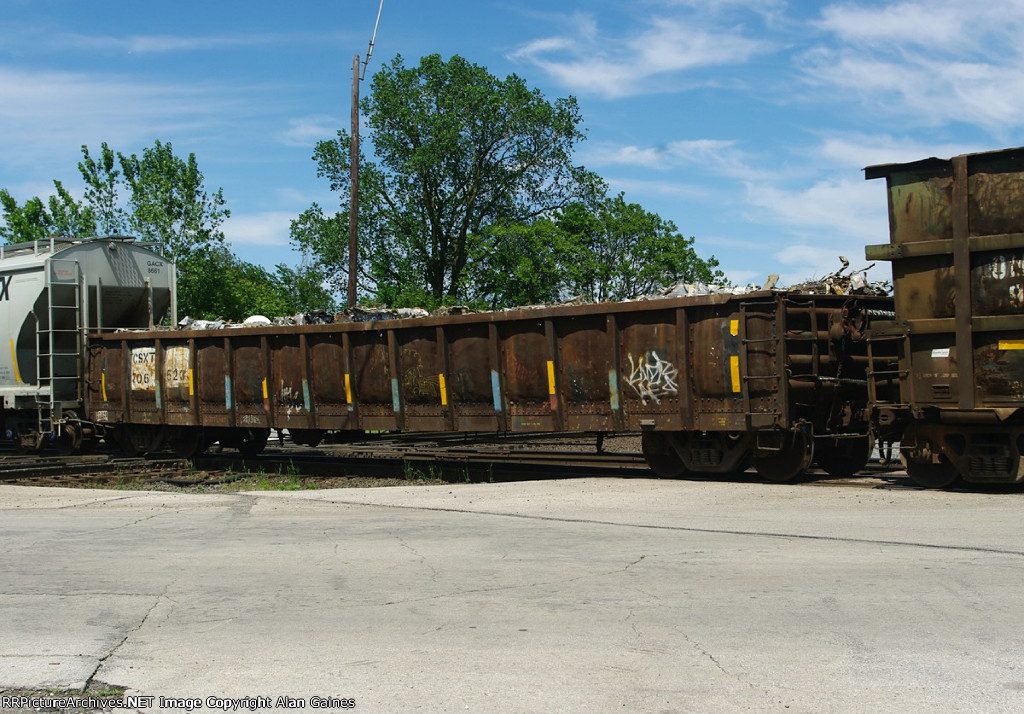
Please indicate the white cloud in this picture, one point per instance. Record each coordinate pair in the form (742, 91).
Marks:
(52, 114)
(268, 228)
(640, 187)
(147, 44)
(715, 157)
(928, 91)
(650, 157)
(644, 61)
(907, 22)
(805, 262)
(928, 63)
(156, 44)
(307, 131)
(858, 151)
(834, 209)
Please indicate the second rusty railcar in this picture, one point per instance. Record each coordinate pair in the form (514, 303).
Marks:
(956, 243)
(714, 383)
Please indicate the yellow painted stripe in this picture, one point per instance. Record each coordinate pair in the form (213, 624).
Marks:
(444, 390)
(1011, 344)
(264, 387)
(14, 361)
(348, 389)
(734, 368)
(551, 377)
(191, 384)
(103, 384)
(734, 327)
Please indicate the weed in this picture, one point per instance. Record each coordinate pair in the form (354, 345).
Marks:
(415, 473)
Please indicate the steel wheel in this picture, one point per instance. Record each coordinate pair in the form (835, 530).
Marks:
(790, 461)
(253, 443)
(941, 475)
(926, 465)
(186, 442)
(660, 456)
(69, 439)
(843, 457)
(306, 437)
(137, 439)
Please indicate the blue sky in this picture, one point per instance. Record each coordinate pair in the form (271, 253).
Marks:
(746, 123)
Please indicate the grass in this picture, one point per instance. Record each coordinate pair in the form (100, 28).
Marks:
(432, 474)
(288, 480)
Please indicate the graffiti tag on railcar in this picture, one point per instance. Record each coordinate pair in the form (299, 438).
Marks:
(651, 377)
(418, 384)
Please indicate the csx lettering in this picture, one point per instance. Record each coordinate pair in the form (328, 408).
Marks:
(5, 284)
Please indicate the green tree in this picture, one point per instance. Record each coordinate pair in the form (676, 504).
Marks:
(610, 250)
(622, 251)
(168, 203)
(214, 283)
(165, 201)
(302, 290)
(324, 243)
(460, 152)
(102, 183)
(520, 264)
(37, 220)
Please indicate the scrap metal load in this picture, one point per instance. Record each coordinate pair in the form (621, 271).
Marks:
(957, 251)
(714, 382)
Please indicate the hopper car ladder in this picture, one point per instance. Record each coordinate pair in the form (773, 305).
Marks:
(58, 346)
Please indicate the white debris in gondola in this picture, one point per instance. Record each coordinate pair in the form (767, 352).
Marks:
(841, 282)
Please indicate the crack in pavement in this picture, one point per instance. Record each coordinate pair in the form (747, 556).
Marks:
(422, 559)
(136, 521)
(76, 593)
(700, 648)
(692, 529)
(86, 504)
(127, 634)
(501, 588)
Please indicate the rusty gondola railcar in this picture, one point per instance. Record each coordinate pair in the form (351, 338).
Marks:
(956, 242)
(714, 383)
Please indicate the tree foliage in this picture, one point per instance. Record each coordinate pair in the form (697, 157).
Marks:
(474, 197)
(102, 184)
(621, 251)
(168, 203)
(611, 250)
(459, 152)
(217, 284)
(36, 219)
(161, 198)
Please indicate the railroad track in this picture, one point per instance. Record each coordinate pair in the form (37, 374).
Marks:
(404, 461)
(42, 469)
(433, 457)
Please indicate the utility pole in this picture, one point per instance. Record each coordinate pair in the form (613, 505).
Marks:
(353, 209)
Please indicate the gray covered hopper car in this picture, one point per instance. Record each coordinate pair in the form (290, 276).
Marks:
(52, 293)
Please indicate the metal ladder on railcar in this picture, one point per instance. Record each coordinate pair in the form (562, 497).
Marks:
(58, 346)
(773, 314)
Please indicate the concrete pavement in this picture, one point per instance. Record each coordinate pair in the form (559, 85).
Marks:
(578, 595)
